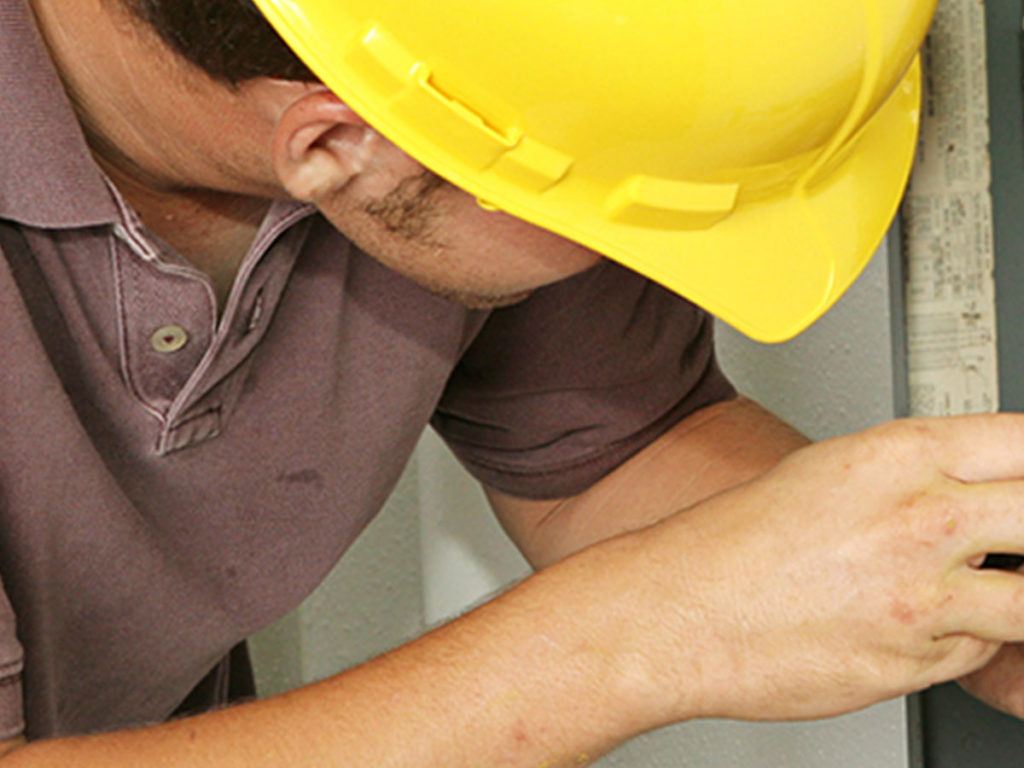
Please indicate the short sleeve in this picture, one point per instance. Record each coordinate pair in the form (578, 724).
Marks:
(557, 391)
(12, 722)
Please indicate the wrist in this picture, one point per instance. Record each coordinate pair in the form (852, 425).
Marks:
(648, 627)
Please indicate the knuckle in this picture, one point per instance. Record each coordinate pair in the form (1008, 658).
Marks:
(930, 517)
(922, 612)
(914, 434)
(904, 445)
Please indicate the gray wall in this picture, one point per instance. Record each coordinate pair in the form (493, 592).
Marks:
(436, 550)
(370, 603)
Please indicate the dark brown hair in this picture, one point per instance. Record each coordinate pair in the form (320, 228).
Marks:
(228, 39)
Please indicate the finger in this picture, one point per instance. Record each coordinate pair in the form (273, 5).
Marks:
(986, 519)
(980, 448)
(988, 605)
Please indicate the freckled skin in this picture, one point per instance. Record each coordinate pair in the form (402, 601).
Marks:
(519, 734)
(902, 612)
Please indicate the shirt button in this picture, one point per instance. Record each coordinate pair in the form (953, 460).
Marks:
(169, 339)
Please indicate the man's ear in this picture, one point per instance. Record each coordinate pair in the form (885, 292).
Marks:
(320, 145)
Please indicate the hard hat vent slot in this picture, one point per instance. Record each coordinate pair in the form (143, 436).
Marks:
(450, 111)
(533, 166)
(501, 130)
(646, 201)
(448, 121)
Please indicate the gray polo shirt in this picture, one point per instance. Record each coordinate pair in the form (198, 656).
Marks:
(172, 481)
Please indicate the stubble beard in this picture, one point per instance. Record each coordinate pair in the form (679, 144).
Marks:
(410, 212)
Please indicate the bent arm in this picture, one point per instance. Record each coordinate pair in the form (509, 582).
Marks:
(840, 578)
(712, 450)
(545, 675)
(493, 688)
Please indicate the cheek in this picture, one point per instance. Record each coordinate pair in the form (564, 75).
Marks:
(441, 238)
(513, 249)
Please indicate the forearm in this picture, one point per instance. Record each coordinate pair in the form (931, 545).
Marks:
(714, 449)
(547, 675)
(778, 599)
(10, 745)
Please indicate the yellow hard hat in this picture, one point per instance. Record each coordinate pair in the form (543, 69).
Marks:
(747, 154)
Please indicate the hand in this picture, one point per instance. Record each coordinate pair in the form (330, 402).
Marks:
(848, 575)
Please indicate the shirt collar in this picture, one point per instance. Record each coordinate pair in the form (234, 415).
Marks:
(48, 177)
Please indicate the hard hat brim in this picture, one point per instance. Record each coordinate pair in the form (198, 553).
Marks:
(792, 258)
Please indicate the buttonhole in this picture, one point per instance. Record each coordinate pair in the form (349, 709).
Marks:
(256, 314)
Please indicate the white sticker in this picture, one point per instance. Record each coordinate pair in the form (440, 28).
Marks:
(948, 241)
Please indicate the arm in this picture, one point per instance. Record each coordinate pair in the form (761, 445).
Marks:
(840, 578)
(10, 745)
(714, 449)
(491, 689)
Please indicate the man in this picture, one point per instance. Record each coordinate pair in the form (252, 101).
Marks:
(208, 391)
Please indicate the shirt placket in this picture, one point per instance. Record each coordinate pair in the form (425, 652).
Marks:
(182, 364)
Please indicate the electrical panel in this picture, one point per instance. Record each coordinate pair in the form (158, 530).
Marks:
(951, 729)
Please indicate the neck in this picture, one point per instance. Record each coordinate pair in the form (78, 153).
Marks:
(212, 230)
(168, 137)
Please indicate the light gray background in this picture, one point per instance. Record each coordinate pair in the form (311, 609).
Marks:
(436, 550)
